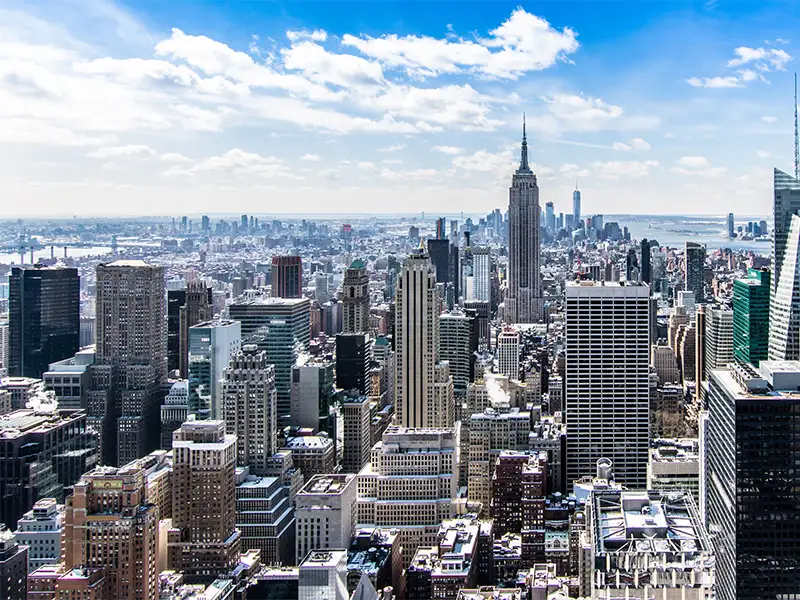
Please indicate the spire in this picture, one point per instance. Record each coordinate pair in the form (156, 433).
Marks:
(796, 137)
(523, 163)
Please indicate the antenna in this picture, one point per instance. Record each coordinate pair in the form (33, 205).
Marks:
(796, 136)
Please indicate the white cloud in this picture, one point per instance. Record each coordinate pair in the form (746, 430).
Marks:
(392, 161)
(769, 119)
(343, 70)
(523, 43)
(764, 58)
(174, 157)
(392, 148)
(241, 162)
(317, 35)
(411, 175)
(311, 157)
(572, 170)
(697, 166)
(131, 150)
(447, 149)
(763, 154)
(500, 164)
(365, 165)
(715, 82)
(568, 112)
(616, 168)
(694, 162)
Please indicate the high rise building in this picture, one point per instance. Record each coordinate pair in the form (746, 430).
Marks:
(352, 361)
(458, 341)
(389, 490)
(111, 525)
(576, 204)
(249, 408)
(441, 228)
(212, 344)
(731, 229)
(416, 341)
(40, 530)
(784, 314)
(196, 309)
(313, 393)
(357, 432)
(355, 298)
(751, 450)
(645, 271)
(786, 204)
(718, 339)
(203, 541)
(287, 277)
(13, 567)
(42, 452)
(695, 257)
(443, 408)
(325, 510)
(44, 318)
(323, 576)
(508, 353)
(523, 302)
(549, 217)
(174, 411)
(131, 359)
(751, 299)
(481, 275)
(607, 387)
(282, 327)
(439, 251)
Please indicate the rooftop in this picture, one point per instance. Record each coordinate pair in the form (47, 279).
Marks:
(324, 559)
(326, 484)
(127, 263)
(28, 421)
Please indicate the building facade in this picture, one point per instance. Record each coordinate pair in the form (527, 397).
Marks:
(326, 511)
(287, 277)
(355, 298)
(751, 299)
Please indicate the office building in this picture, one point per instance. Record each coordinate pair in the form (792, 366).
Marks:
(325, 509)
(718, 348)
(458, 341)
(376, 554)
(482, 314)
(355, 299)
(695, 259)
(786, 204)
(43, 452)
(523, 303)
(43, 318)
(212, 345)
(70, 379)
(196, 309)
(282, 327)
(313, 393)
(576, 205)
(549, 217)
(751, 447)
(645, 271)
(607, 388)
(416, 341)
(784, 314)
(410, 484)
(751, 299)
(131, 360)
(662, 359)
(357, 434)
(40, 531)
(443, 403)
(110, 525)
(13, 566)
(174, 411)
(323, 576)
(481, 275)
(249, 408)
(731, 228)
(203, 541)
(265, 517)
(312, 454)
(508, 353)
(675, 466)
(641, 529)
(287, 277)
(4, 348)
(353, 352)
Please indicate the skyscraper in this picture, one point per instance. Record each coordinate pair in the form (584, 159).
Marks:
(731, 230)
(751, 479)
(250, 406)
(787, 203)
(523, 302)
(576, 204)
(196, 309)
(441, 228)
(131, 360)
(784, 313)
(355, 298)
(481, 275)
(416, 340)
(549, 217)
(44, 318)
(695, 256)
(313, 394)
(458, 341)
(607, 383)
(352, 361)
(287, 277)
(644, 271)
(203, 541)
(212, 344)
(751, 316)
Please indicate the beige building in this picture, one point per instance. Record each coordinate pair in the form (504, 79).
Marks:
(357, 425)
(325, 510)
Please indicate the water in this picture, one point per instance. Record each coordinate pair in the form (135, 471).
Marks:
(674, 231)
(13, 258)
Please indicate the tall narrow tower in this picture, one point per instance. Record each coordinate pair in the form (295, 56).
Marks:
(524, 297)
(576, 204)
(355, 298)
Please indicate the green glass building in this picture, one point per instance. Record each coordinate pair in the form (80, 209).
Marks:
(751, 316)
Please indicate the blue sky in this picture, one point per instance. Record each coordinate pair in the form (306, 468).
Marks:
(180, 107)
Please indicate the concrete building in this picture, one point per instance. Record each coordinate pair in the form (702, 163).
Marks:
(523, 303)
(13, 567)
(323, 576)
(376, 554)
(212, 345)
(410, 484)
(751, 443)
(675, 466)
(718, 339)
(70, 379)
(416, 341)
(43, 452)
(287, 277)
(325, 510)
(357, 434)
(174, 411)
(784, 314)
(203, 541)
(312, 393)
(312, 454)
(110, 526)
(249, 408)
(355, 299)
(481, 275)
(265, 517)
(695, 260)
(43, 317)
(40, 531)
(607, 387)
(131, 360)
(22, 390)
(458, 342)
(508, 353)
(631, 531)
(196, 309)
(443, 405)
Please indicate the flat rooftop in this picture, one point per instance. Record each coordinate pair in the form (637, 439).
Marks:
(324, 559)
(26, 421)
(326, 484)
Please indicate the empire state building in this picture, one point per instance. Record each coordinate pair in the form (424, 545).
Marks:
(523, 303)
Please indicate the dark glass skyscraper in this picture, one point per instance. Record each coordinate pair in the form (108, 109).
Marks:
(44, 318)
(751, 316)
(695, 256)
(645, 262)
(287, 277)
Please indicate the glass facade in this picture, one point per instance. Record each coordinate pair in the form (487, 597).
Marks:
(751, 316)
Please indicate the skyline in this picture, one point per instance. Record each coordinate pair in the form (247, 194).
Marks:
(178, 110)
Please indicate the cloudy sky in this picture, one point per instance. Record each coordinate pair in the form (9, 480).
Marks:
(189, 107)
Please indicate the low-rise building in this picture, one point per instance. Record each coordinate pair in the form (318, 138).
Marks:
(675, 466)
(312, 454)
